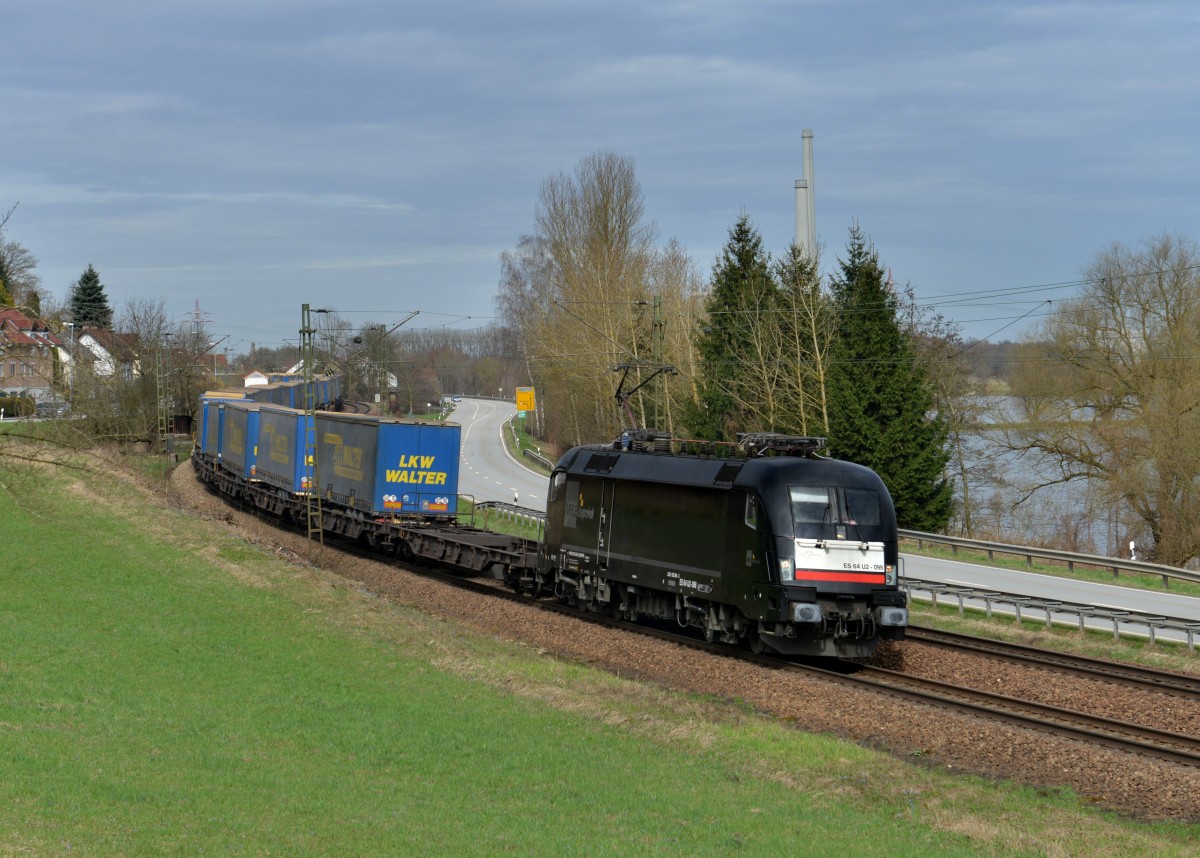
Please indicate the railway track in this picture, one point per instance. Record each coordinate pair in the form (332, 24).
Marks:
(1122, 735)
(1126, 736)
(1131, 675)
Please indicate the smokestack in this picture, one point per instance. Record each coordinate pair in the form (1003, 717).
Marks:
(801, 212)
(806, 217)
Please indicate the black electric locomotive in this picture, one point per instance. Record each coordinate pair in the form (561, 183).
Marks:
(783, 549)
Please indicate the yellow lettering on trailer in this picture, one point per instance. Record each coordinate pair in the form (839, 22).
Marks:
(415, 477)
(281, 449)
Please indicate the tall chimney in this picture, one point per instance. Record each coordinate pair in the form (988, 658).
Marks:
(806, 213)
(802, 213)
(811, 246)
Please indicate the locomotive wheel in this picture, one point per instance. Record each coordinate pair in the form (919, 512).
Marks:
(616, 598)
(755, 641)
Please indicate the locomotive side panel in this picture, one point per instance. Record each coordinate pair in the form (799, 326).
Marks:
(669, 538)
(692, 541)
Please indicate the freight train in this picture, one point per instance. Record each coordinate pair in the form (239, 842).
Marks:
(767, 544)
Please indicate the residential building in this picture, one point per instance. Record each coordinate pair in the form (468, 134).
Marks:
(27, 355)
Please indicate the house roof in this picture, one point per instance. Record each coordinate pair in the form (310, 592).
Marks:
(120, 346)
(18, 329)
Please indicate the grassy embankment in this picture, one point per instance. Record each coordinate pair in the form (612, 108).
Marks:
(167, 688)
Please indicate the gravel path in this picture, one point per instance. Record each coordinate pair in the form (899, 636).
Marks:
(1130, 784)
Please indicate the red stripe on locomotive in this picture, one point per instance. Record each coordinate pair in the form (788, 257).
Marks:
(850, 577)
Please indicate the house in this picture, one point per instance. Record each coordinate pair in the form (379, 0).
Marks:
(110, 354)
(256, 379)
(27, 355)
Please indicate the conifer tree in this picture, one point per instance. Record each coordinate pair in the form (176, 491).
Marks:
(881, 403)
(88, 303)
(742, 288)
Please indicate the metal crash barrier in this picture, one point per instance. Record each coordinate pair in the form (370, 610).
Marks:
(1075, 614)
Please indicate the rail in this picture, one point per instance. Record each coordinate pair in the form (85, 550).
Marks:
(1077, 613)
(1071, 559)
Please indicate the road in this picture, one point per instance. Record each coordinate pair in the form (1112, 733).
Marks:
(487, 470)
(956, 573)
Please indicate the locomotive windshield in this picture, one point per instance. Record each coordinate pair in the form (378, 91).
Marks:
(822, 512)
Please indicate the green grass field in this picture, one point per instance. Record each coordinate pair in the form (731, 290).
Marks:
(166, 688)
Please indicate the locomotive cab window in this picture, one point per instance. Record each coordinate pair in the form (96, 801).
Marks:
(862, 507)
(811, 505)
(821, 512)
(751, 512)
(556, 484)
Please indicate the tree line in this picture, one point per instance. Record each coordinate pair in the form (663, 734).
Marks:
(1104, 392)
(763, 346)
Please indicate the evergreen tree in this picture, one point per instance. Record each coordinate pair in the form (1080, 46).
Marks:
(742, 291)
(881, 400)
(88, 303)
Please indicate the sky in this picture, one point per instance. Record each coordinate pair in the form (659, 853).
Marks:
(376, 158)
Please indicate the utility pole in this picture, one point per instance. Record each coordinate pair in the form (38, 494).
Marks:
(656, 346)
(314, 514)
(162, 389)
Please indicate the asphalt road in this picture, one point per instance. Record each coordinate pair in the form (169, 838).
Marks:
(955, 573)
(487, 471)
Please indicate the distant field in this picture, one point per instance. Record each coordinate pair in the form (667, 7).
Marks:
(166, 688)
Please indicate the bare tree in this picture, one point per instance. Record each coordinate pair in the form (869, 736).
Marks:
(1115, 398)
(18, 276)
(675, 280)
(806, 331)
(573, 290)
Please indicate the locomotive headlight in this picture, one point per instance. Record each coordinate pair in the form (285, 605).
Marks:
(806, 612)
(889, 616)
(785, 570)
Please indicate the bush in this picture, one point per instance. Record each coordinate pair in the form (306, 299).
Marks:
(17, 406)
